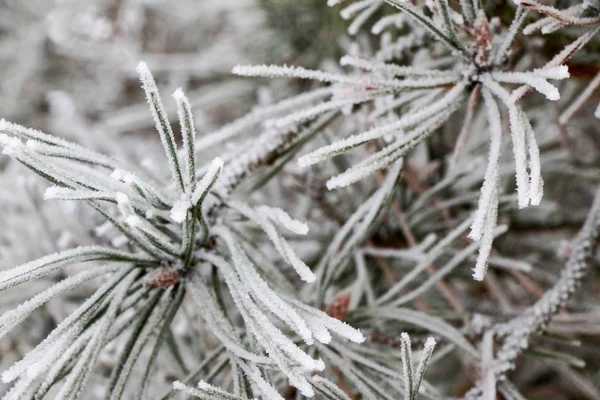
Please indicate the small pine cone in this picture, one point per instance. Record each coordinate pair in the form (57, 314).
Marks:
(339, 306)
(163, 277)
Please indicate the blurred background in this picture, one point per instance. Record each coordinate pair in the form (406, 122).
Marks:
(68, 69)
(70, 60)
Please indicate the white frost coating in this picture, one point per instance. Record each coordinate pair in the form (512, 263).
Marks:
(391, 153)
(429, 345)
(12, 145)
(355, 174)
(281, 245)
(181, 206)
(490, 182)
(400, 70)
(413, 378)
(329, 389)
(537, 25)
(407, 120)
(559, 58)
(201, 385)
(268, 391)
(157, 236)
(63, 193)
(503, 50)
(333, 324)
(162, 124)
(529, 78)
(536, 183)
(208, 180)
(487, 366)
(94, 343)
(124, 204)
(260, 289)
(217, 322)
(129, 178)
(188, 135)
(205, 390)
(359, 21)
(118, 174)
(518, 139)
(276, 71)
(33, 144)
(119, 241)
(44, 354)
(307, 114)
(558, 72)
(178, 94)
(536, 79)
(487, 240)
(407, 365)
(318, 329)
(260, 114)
(133, 221)
(269, 336)
(47, 264)
(397, 20)
(179, 210)
(288, 253)
(283, 219)
(355, 7)
(189, 390)
(51, 192)
(122, 198)
(550, 91)
(40, 364)
(404, 336)
(4, 139)
(12, 318)
(425, 357)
